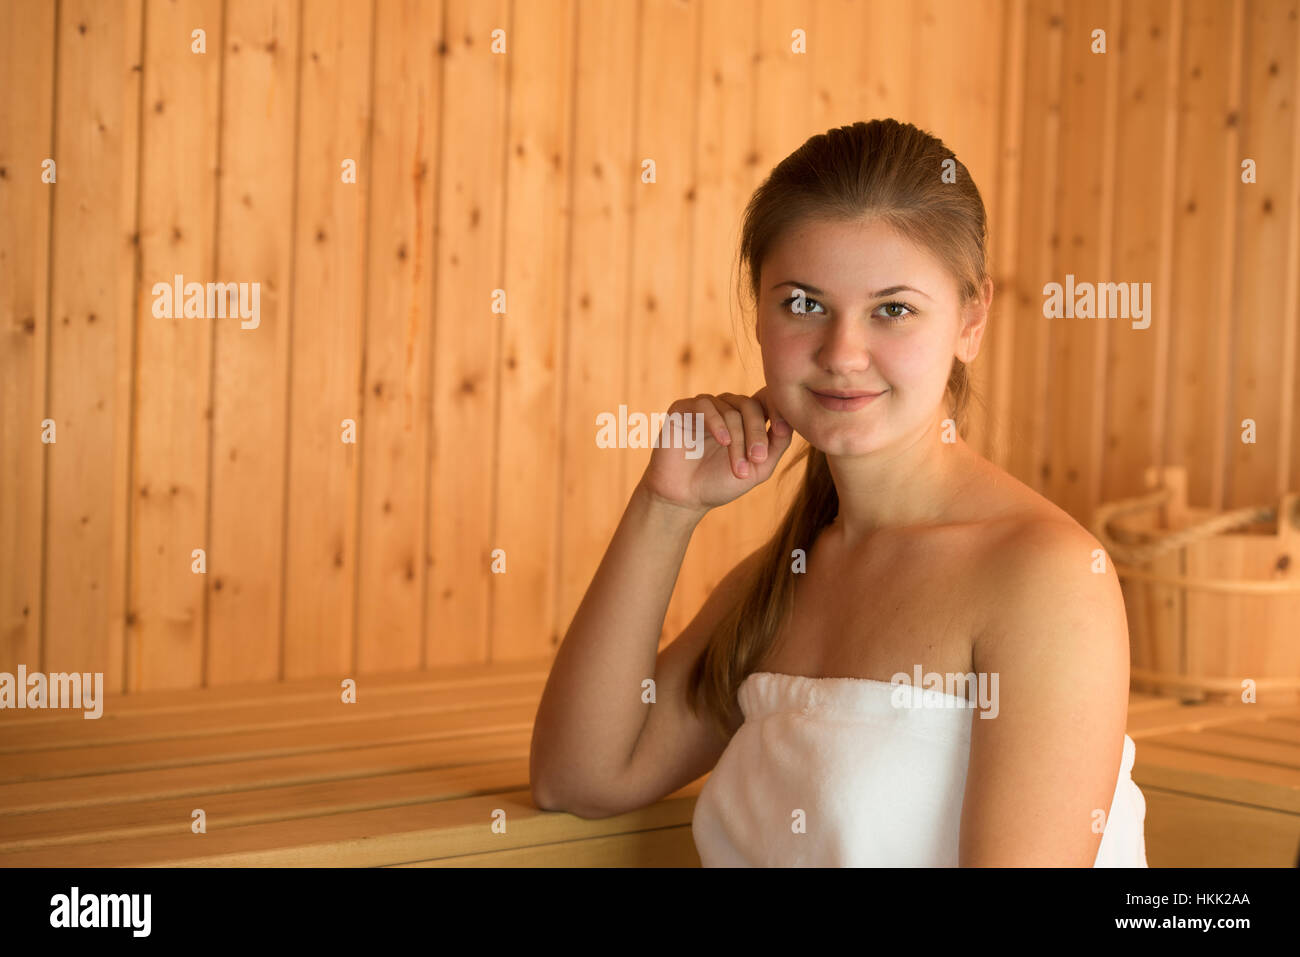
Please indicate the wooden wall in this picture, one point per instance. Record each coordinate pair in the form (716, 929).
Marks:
(521, 171)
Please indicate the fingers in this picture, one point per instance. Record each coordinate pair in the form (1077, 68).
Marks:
(753, 427)
(736, 424)
(740, 423)
(754, 420)
(713, 419)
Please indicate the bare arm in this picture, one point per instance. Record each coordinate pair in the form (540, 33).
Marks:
(1043, 771)
(590, 715)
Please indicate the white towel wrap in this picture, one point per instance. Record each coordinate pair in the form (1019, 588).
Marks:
(878, 785)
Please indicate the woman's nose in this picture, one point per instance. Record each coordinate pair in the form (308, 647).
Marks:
(846, 346)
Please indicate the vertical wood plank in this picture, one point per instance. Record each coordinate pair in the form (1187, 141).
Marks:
(178, 183)
(327, 337)
(1259, 309)
(605, 183)
(93, 333)
(1137, 359)
(27, 56)
(246, 561)
(891, 36)
(950, 79)
(1208, 184)
(1289, 425)
(842, 78)
(396, 395)
(995, 376)
(1038, 231)
(1075, 398)
(536, 260)
(471, 206)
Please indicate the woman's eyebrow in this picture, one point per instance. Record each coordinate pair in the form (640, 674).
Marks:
(891, 290)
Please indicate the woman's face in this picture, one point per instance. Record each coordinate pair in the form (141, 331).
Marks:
(858, 332)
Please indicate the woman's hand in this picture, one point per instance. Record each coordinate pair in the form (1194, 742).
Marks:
(739, 451)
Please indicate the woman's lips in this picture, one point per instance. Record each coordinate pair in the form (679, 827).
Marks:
(836, 404)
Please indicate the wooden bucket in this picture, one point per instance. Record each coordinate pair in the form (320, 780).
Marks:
(1217, 617)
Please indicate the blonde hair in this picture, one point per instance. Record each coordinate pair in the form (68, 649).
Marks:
(883, 170)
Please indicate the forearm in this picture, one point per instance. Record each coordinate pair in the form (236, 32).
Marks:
(591, 714)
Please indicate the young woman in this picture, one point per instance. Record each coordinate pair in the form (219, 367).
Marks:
(904, 553)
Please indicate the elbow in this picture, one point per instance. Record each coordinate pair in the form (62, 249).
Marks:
(543, 797)
(542, 794)
(580, 798)
(548, 800)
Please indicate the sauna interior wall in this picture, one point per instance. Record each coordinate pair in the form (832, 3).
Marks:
(180, 505)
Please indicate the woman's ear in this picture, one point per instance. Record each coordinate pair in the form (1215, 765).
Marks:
(975, 317)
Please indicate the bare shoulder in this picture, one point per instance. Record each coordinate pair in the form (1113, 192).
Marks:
(1014, 518)
(1037, 563)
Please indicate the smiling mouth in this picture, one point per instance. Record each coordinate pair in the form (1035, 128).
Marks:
(840, 403)
(846, 395)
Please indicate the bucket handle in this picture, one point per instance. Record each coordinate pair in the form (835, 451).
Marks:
(1128, 554)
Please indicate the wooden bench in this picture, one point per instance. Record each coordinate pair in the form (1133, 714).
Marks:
(415, 773)
(1221, 782)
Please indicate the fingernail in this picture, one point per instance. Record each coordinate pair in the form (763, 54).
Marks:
(743, 469)
(726, 436)
(757, 452)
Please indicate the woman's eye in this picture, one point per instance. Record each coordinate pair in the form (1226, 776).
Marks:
(901, 305)
(801, 304)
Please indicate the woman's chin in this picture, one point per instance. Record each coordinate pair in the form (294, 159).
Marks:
(843, 441)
